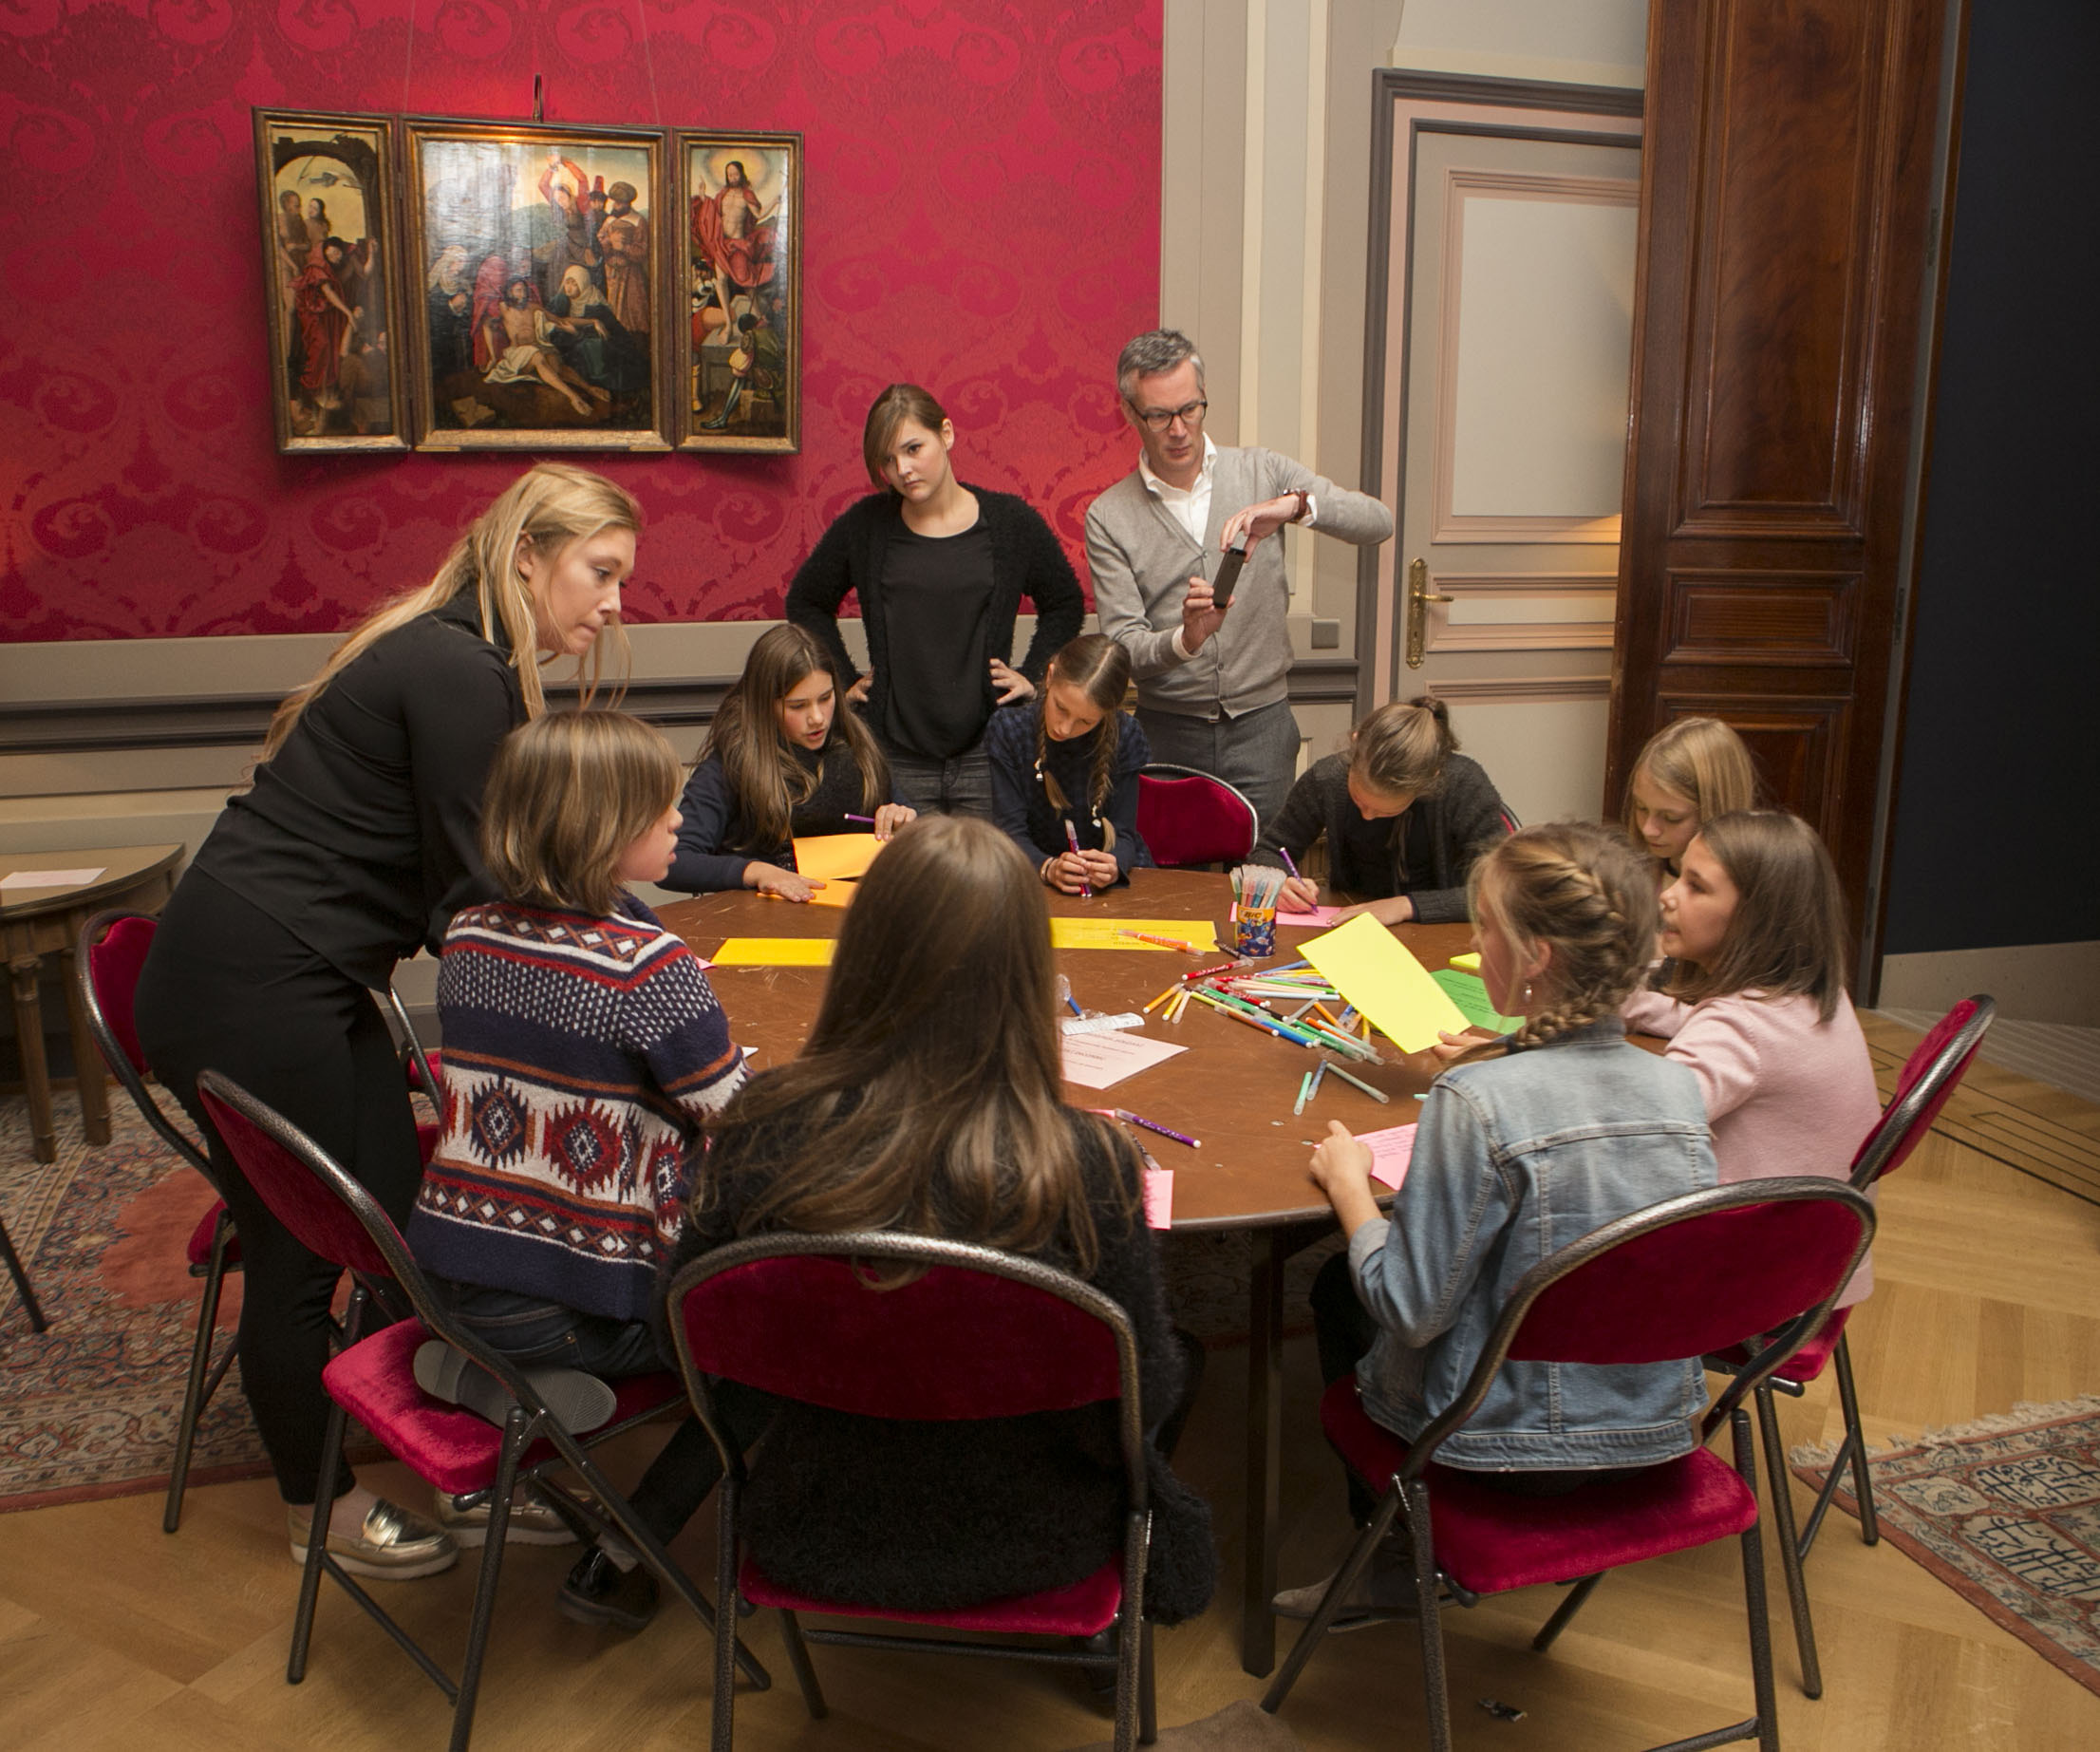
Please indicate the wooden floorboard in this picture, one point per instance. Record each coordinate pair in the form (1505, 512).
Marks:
(116, 1638)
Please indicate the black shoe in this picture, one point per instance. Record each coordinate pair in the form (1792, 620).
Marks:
(599, 1591)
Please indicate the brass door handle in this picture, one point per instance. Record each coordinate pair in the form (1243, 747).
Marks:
(1419, 596)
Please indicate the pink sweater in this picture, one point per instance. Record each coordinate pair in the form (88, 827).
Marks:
(1785, 1093)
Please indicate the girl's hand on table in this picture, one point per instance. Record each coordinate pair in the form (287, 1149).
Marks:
(1073, 872)
(1397, 909)
(1340, 1167)
(780, 884)
(891, 817)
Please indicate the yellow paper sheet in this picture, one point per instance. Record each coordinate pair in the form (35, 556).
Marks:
(775, 952)
(833, 894)
(1470, 963)
(1107, 933)
(834, 856)
(1371, 967)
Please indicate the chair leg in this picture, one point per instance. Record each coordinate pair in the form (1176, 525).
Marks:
(1435, 1682)
(1337, 1591)
(1780, 1488)
(500, 1495)
(21, 1288)
(1863, 1482)
(317, 1544)
(1147, 1712)
(197, 1392)
(725, 1616)
(1753, 1592)
(1564, 1612)
(806, 1674)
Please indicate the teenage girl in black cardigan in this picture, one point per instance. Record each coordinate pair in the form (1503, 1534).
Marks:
(940, 569)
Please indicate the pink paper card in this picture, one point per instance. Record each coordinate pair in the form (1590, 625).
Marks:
(1321, 916)
(1391, 1151)
(1159, 1196)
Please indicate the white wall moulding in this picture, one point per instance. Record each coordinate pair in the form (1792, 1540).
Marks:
(1524, 583)
(1537, 320)
(1522, 635)
(1516, 689)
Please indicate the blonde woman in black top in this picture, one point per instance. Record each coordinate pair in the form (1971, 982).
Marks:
(352, 848)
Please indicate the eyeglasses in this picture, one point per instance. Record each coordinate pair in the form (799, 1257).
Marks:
(1159, 418)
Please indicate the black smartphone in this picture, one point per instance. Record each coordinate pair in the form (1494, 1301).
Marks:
(1229, 575)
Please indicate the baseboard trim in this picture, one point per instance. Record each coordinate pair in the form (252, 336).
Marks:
(2033, 982)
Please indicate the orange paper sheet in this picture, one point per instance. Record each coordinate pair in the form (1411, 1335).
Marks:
(831, 858)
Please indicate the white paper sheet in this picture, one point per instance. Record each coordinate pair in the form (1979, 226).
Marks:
(1099, 1060)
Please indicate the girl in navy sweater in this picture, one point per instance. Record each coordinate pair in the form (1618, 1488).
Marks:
(781, 760)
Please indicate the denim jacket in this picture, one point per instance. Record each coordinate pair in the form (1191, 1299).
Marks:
(1515, 1157)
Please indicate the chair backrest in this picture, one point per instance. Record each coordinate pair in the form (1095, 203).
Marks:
(423, 1072)
(1189, 818)
(978, 1333)
(1692, 1276)
(297, 1180)
(107, 961)
(1929, 1077)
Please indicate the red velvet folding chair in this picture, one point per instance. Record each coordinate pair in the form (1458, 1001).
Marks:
(1187, 818)
(372, 1379)
(1929, 1077)
(980, 1333)
(112, 952)
(1682, 1279)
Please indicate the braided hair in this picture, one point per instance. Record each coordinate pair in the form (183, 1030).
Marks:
(1099, 668)
(1584, 893)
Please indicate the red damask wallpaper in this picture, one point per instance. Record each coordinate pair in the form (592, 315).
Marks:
(982, 216)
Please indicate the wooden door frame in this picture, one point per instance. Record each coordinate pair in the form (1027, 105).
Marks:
(1388, 85)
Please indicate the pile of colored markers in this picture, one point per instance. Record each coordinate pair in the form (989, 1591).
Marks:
(1256, 888)
(1293, 1002)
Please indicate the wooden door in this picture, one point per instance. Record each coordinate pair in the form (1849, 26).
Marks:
(1785, 196)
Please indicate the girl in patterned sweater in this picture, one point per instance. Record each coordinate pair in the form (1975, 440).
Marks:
(584, 1050)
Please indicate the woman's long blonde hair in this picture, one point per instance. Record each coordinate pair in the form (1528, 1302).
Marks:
(768, 783)
(1702, 760)
(552, 504)
(929, 1097)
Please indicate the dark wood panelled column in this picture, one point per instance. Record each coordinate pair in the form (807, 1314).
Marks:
(1787, 184)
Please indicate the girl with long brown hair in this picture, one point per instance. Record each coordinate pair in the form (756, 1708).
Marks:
(1523, 1145)
(928, 1100)
(940, 569)
(785, 757)
(1756, 1007)
(352, 848)
(1064, 770)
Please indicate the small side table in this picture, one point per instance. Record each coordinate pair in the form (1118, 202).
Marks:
(39, 921)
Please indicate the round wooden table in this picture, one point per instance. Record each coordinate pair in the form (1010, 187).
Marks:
(1232, 1090)
(45, 919)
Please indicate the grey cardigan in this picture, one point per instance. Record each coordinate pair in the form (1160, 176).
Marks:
(1142, 558)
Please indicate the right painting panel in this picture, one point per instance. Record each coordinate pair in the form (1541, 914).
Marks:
(740, 351)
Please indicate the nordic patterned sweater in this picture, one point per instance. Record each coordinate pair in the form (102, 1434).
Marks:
(581, 1057)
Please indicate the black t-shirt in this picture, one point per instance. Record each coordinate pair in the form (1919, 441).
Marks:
(937, 593)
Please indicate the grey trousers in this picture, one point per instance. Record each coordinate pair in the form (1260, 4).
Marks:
(1256, 753)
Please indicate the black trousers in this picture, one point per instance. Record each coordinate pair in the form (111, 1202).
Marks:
(228, 988)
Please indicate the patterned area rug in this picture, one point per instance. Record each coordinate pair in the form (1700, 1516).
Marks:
(2005, 1510)
(88, 1409)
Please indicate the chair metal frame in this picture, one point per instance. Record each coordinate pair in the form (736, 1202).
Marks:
(1167, 771)
(21, 1285)
(1135, 1705)
(603, 1511)
(204, 1375)
(1891, 1132)
(1407, 1489)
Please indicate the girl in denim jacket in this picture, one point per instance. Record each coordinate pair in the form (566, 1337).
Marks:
(1524, 1145)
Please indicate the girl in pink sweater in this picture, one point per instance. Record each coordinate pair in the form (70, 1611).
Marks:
(1757, 1006)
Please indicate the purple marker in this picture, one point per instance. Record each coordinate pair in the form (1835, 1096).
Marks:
(1154, 1125)
(870, 820)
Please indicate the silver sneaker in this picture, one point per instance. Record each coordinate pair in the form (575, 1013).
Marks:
(531, 1522)
(393, 1545)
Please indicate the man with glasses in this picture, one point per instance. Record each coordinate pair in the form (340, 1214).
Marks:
(1212, 682)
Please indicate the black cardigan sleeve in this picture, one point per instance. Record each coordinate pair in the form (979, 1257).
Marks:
(821, 583)
(1047, 580)
(1299, 823)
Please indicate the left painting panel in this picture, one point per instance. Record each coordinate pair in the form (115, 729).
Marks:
(325, 184)
(539, 252)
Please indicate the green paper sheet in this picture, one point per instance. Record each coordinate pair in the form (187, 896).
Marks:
(1469, 993)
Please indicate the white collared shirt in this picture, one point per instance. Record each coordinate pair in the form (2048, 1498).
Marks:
(1189, 506)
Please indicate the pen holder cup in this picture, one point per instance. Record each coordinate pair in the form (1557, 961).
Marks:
(1254, 932)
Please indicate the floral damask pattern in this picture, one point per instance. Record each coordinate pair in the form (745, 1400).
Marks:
(982, 217)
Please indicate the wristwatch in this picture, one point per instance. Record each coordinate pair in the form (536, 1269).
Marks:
(1304, 503)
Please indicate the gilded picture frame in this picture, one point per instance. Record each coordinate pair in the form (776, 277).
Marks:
(738, 352)
(537, 263)
(324, 183)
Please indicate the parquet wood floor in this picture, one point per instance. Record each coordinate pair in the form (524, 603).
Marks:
(115, 1638)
